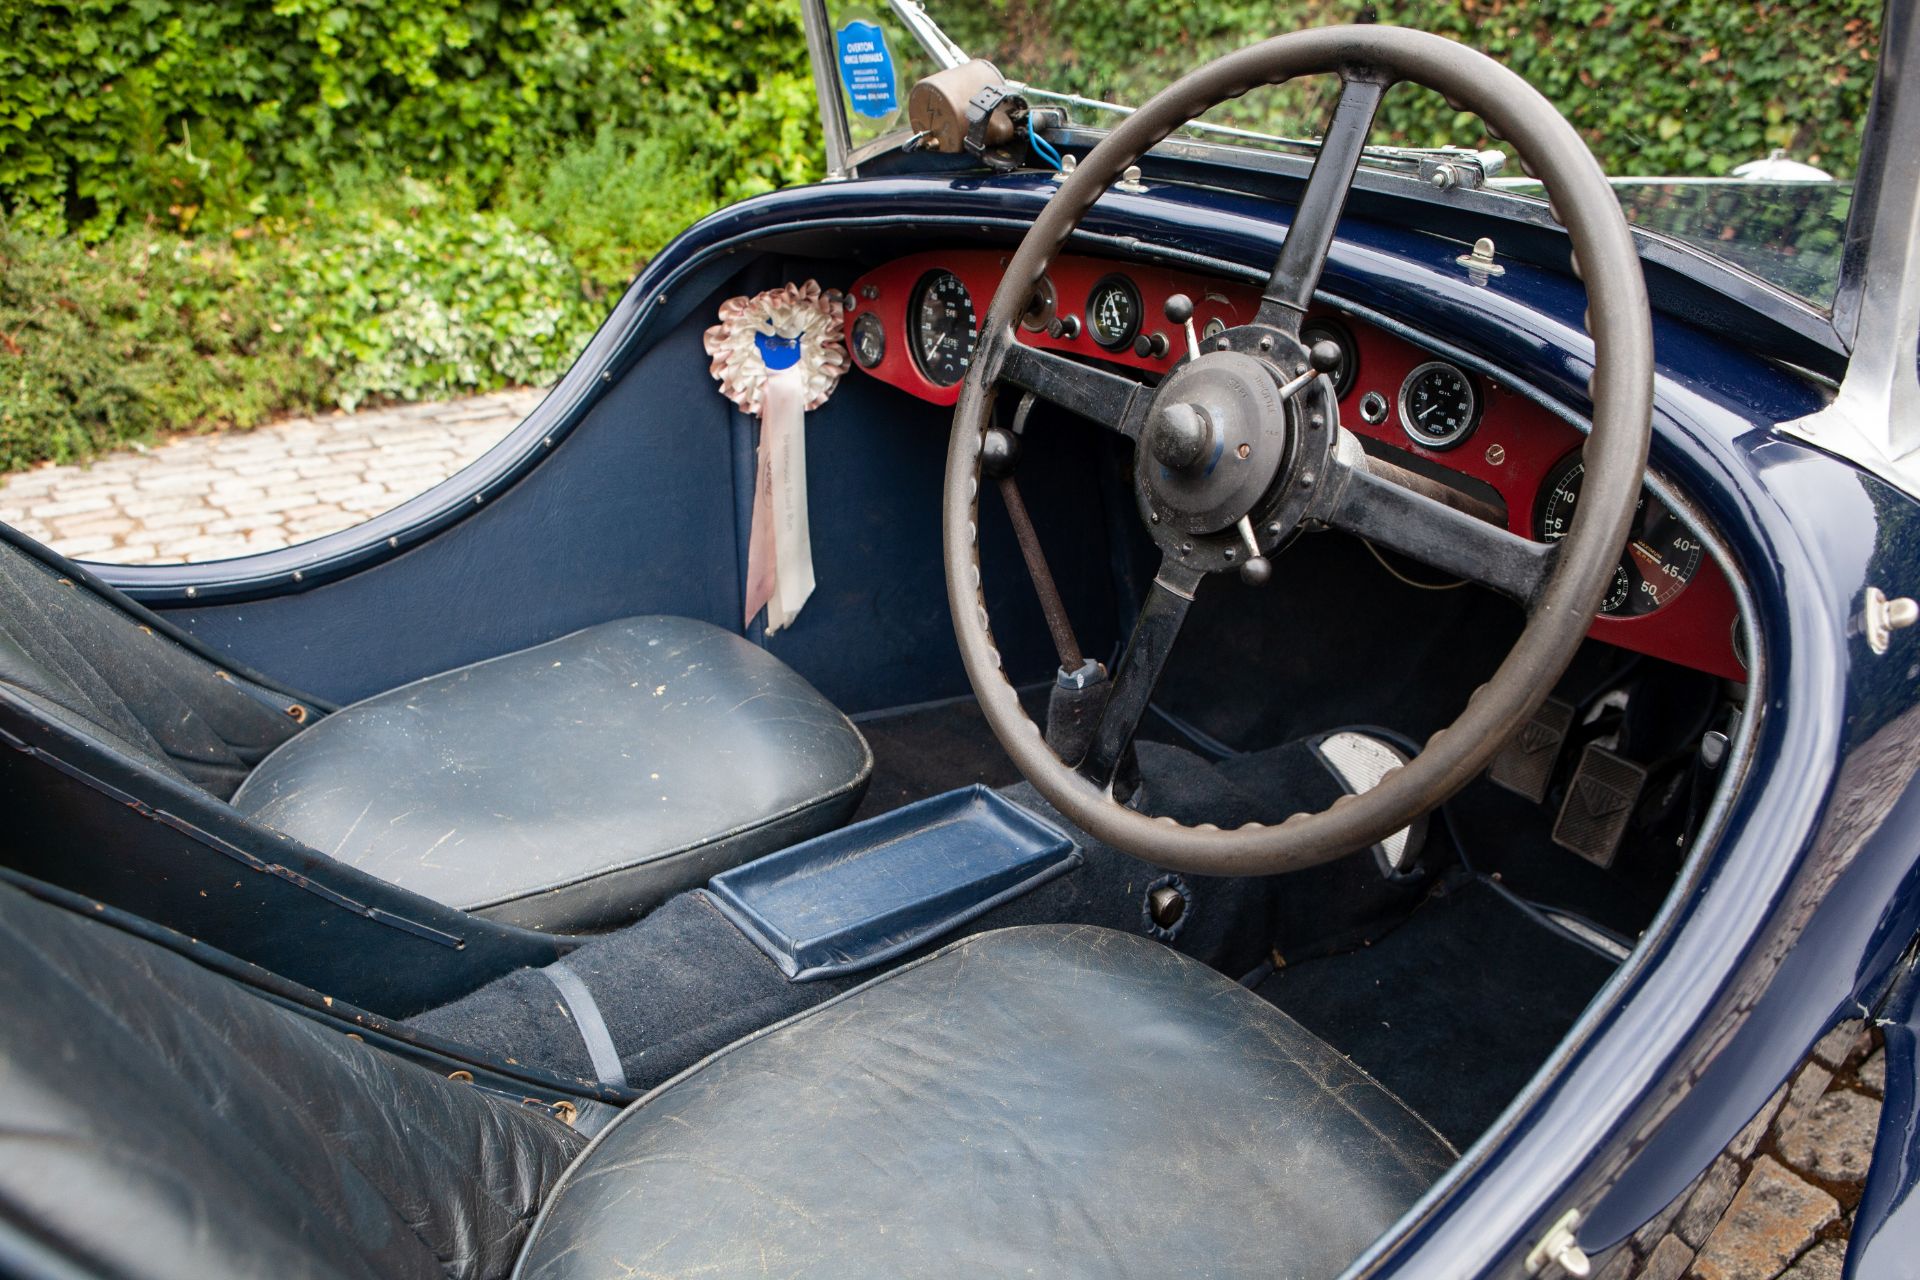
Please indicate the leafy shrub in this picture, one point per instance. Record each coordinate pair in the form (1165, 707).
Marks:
(423, 298)
(103, 346)
(612, 203)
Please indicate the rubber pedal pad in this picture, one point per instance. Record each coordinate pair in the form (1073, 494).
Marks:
(1599, 805)
(1525, 765)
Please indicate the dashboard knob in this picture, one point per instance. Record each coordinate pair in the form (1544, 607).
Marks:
(1151, 346)
(1067, 327)
(1179, 308)
(999, 453)
(1324, 355)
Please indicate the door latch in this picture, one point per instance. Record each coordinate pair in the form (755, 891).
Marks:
(1561, 1248)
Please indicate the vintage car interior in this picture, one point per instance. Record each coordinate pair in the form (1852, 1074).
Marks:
(1247, 714)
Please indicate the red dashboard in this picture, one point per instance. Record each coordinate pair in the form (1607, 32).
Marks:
(911, 323)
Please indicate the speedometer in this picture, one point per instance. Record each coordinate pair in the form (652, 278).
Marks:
(940, 327)
(1662, 553)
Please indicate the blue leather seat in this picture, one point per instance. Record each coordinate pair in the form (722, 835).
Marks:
(567, 786)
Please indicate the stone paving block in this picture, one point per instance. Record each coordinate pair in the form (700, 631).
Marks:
(1622, 1265)
(59, 507)
(190, 480)
(1835, 1047)
(144, 505)
(1747, 1141)
(1834, 1139)
(1668, 1261)
(188, 516)
(1822, 1262)
(1649, 1235)
(1804, 1092)
(1709, 1200)
(1873, 1072)
(110, 523)
(1774, 1217)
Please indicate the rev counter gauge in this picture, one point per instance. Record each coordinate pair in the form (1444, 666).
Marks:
(941, 327)
(1661, 556)
(1438, 405)
(1113, 312)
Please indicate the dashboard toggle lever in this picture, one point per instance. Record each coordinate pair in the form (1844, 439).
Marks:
(1179, 311)
(1322, 357)
(1256, 570)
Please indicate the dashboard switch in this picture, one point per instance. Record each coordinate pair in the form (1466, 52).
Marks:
(1151, 346)
(1066, 328)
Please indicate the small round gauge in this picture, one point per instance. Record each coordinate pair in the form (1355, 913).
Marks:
(1040, 309)
(1331, 331)
(869, 339)
(1438, 405)
(940, 327)
(1661, 556)
(1113, 312)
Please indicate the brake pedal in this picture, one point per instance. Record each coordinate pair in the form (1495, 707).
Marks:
(1600, 802)
(1525, 765)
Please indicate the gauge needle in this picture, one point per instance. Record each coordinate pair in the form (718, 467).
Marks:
(1426, 413)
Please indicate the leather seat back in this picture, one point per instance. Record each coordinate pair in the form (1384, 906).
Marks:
(81, 657)
(159, 1120)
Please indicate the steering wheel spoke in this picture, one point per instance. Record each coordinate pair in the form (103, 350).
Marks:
(1303, 254)
(1370, 505)
(1116, 403)
(1154, 632)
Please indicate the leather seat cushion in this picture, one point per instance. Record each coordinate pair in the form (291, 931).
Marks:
(575, 783)
(1058, 1101)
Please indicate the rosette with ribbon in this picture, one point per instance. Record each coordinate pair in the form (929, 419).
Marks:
(777, 355)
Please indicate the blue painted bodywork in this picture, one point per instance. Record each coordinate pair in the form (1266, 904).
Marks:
(1799, 912)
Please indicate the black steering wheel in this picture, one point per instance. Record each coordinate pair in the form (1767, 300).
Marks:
(1240, 446)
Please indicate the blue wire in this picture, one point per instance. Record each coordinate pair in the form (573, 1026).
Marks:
(1043, 148)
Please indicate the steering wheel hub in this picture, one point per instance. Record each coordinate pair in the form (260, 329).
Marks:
(1216, 438)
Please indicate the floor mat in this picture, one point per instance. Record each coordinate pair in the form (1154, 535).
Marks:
(1454, 1010)
(926, 750)
(923, 751)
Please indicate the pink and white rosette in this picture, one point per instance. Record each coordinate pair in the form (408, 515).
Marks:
(777, 355)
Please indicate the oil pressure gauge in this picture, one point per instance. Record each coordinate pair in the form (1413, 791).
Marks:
(1438, 405)
(869, 340)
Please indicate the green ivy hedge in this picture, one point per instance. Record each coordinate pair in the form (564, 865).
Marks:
(1667, 87)
(221, 111)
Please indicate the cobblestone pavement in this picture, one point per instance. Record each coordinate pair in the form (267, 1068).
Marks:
(1779, 1201)
(233, 493)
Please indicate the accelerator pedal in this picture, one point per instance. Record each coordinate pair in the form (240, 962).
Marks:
(1525, 765)
(1599, 805)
